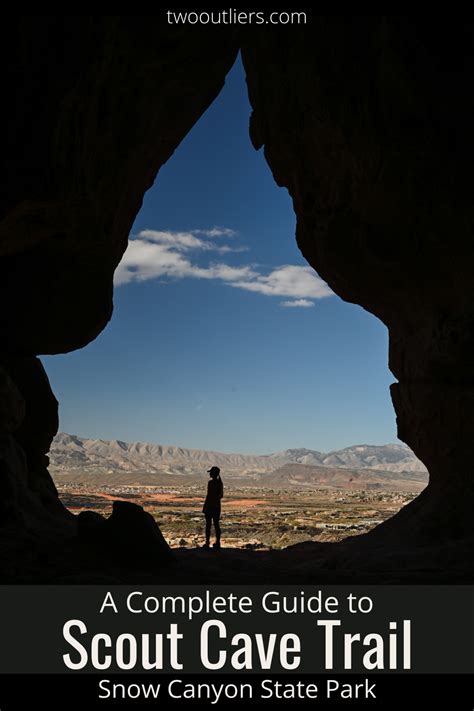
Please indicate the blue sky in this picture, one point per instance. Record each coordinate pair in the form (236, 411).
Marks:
(222, 336)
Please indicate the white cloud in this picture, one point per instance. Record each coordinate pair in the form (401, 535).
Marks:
(154, 254)
(297, 303)
(176, 240)
(186, 241)
(230, 274)
(289, 280)
(225, 249)
(216, 232)
(144, 260)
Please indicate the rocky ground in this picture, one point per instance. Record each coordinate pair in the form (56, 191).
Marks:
(252, 517)
(361, 559)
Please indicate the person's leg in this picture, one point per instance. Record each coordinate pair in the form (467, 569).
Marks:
(217, 528)
(208, 529)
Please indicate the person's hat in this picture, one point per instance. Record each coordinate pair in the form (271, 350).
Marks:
(214, 469)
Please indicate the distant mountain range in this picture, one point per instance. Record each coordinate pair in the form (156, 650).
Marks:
(77, 459)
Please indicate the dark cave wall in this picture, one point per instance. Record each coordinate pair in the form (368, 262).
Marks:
(28, 423)
(94, 107)
(368, 123)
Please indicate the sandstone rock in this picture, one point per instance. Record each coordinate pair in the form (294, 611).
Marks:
(91, 527)
(367, 122)
(135, 533)
(21, 504)
(12, 404)
(40, 422)
(109, 98)
(131, 535)
(38, 426)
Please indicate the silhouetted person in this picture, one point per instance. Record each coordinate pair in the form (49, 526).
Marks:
(212, 505)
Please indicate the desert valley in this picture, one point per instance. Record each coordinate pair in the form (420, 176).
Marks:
(270, 501)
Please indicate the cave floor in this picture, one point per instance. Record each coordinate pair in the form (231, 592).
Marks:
(50, 559)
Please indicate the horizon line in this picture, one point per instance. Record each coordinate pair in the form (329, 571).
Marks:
(244, 454)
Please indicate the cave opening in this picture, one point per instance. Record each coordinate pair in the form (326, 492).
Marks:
(366, 124)
(224, 340)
